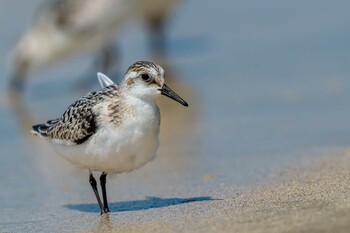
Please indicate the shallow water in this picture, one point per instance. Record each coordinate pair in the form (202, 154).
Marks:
(267, 84)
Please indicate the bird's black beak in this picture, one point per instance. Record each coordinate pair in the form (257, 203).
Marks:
(165, 90)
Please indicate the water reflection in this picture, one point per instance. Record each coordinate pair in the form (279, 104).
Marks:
(104, 225)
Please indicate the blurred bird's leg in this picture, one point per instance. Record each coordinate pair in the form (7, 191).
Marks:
(106, 62)
(17, 83)
(19, 75)
(157, 35)
(108, 58)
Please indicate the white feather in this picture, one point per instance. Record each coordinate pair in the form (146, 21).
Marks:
(104, 80)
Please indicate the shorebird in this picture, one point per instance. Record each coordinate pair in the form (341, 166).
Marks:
(113, 130)
(69, 27)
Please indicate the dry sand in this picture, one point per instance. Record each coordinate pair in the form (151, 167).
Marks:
(311, 198)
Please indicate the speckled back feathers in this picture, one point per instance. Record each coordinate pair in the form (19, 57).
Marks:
(79, 121)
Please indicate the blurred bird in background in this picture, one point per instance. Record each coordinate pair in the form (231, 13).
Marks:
(65, 28)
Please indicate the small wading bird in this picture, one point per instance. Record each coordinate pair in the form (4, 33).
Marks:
(114, 130)
(69, 27)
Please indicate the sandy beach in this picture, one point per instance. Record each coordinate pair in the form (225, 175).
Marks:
(312, 198)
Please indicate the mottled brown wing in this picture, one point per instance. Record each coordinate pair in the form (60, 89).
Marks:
(78, 122)
(76, 125)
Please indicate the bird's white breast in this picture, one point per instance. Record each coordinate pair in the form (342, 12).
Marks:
(119, 148)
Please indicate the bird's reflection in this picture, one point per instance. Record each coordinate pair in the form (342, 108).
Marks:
(103, 225)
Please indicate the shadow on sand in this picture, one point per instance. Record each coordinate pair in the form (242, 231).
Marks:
(148, 203)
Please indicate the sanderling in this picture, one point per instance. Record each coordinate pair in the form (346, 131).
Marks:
(114, 130)
(70, 27)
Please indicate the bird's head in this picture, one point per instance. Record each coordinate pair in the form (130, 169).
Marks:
(145, 80)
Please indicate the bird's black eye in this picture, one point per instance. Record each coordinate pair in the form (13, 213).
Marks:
(145, 77)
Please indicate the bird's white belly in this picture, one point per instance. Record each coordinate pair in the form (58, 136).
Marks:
(114, 151)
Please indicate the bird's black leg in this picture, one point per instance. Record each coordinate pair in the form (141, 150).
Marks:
(94, 187)
(104, 193)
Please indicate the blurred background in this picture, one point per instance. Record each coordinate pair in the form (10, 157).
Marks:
(267, 84)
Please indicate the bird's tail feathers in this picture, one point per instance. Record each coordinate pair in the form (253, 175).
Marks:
(42, 129)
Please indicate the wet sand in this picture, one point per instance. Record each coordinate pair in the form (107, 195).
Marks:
(310, 198)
